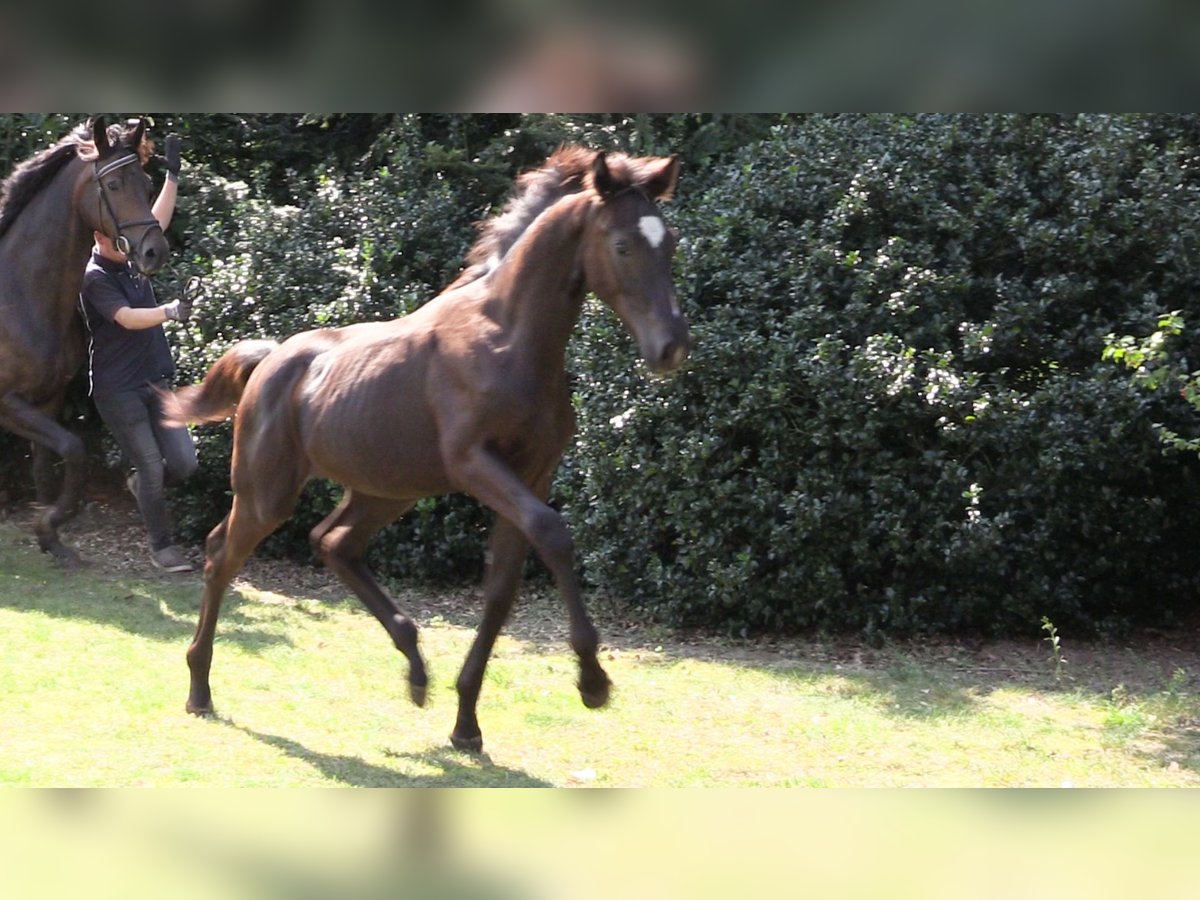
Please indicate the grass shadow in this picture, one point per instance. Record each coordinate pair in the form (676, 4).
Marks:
(898, 692)
(452, 768)
(161, 609)
(1179, 745)
(940, 678)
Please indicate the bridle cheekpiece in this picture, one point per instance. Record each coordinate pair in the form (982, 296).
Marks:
(122, 242)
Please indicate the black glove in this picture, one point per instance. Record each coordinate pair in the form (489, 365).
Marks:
(172, 154)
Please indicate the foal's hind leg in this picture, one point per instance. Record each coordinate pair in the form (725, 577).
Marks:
(228, 546)
(508, 550)
(340, 541)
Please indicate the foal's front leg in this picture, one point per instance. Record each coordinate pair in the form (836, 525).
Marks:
(496, 486)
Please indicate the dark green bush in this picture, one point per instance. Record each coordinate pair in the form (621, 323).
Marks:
(896, 417)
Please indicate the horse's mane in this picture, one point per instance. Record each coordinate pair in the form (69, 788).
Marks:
(30, 176)
(566, 171)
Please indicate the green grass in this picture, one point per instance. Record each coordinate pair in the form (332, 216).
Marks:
(311, 692)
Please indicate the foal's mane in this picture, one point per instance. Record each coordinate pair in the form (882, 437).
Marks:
(30, 176)
(566, 171)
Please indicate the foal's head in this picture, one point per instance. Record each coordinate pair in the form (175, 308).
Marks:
(627, 250)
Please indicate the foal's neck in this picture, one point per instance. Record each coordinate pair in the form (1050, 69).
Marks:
(539, 286)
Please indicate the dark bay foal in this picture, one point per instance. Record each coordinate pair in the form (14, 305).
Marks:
(468, 393)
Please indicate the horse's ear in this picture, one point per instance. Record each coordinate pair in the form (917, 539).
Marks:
(602, 178)
(100, 135)
(139, 131)
(661, 175)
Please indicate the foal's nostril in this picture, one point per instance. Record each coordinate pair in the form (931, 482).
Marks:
(673, 353)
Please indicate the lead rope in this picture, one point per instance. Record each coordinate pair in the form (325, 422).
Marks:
(190, 290)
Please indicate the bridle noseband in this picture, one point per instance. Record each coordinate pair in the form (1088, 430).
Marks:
(122, 242)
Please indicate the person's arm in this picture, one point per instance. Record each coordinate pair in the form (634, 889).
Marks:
(164, 205)
(136, 319)
(106, 299)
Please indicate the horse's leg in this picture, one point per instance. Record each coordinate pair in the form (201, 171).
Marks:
(507, 552)
(227, 548)
(25, 420)
(496, 486)
(340, 541)
(46, 482)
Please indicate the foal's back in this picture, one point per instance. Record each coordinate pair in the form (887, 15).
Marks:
(367, 404)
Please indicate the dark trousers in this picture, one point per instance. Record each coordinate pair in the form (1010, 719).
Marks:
(157, 452)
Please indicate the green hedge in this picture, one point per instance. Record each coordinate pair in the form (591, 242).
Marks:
(896, 418)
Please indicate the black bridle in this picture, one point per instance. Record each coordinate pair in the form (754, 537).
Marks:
(122, 242)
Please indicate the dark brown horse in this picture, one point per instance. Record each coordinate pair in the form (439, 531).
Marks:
(91, 180)
(468, 393)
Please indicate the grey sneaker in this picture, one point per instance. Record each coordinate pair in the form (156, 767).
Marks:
(169, 559)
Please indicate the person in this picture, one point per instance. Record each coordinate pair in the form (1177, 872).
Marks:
(129, 361)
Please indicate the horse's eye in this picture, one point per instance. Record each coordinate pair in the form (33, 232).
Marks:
(114, 185)
(622, 248)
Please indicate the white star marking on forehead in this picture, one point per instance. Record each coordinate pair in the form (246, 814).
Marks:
(652, 229)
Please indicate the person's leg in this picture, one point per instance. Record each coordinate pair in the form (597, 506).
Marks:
(175, 443)
(129, 420)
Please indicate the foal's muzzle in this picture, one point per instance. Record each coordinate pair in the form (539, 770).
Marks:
(665, 352)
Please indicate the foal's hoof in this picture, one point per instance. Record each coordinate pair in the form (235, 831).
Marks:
(467, 744)
(594, 698)
(417, 692)
(205, 711)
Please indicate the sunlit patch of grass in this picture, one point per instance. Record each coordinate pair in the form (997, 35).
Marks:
(93, 679)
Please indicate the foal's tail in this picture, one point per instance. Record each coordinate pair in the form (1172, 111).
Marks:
(216, 397)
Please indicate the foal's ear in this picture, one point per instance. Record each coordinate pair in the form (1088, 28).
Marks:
(602, 178)
(100, 135)
(660, 177)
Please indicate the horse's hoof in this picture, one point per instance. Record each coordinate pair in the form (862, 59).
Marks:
(63, 555)
(203, 711)
(467, 744)
(417, 692)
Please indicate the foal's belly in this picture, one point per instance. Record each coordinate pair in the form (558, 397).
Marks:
(376, 439)
(382, 463)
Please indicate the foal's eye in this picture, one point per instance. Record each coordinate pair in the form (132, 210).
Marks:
(622, 248)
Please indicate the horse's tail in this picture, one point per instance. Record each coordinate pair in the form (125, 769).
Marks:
(216, 397)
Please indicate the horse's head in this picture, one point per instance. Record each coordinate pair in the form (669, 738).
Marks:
(123, 204)
(627, 251)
